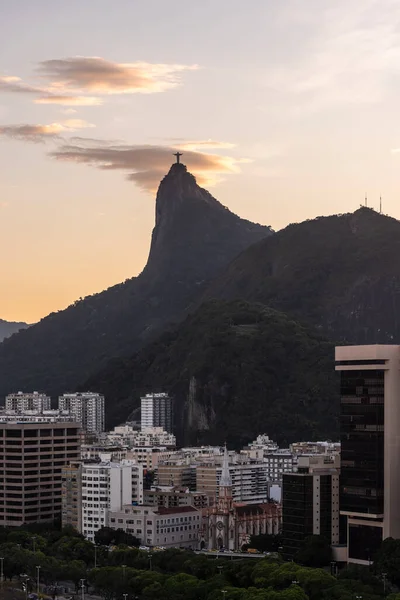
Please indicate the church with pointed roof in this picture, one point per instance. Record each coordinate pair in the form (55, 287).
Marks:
(229, 524)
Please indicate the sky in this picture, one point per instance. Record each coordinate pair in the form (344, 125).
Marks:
(284, 110)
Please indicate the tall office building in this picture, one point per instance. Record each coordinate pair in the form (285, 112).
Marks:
(87, 408)
(310, 502)
(370, 446)
(32, 456)
(156, 411)
(22, 402)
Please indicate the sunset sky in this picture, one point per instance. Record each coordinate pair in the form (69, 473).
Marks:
(286, 110)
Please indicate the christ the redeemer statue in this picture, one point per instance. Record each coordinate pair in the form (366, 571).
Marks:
(178, 156)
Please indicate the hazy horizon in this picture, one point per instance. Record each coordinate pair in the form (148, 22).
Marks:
(284, 111)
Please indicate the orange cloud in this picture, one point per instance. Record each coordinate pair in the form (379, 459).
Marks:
(146, 165)
(41, 133)
(100, 76)
(69, 100)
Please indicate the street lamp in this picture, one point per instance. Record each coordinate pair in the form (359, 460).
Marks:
(220, 567)
(38, 579)
(384, 575)
(125, 596)
(295, 582)
(224, 593)
(82, 581)
(1, 570)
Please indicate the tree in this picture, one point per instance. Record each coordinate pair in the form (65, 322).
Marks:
(115, 537)
(387, 560)
(316, 552)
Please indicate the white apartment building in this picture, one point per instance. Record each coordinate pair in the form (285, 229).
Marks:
(156, 411)
(22, 402)
(177, 527)
(87, 408)
(148, 457)
(106, 487)
(249, 480)
(126, 435)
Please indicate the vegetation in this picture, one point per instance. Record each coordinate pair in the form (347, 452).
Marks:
(337, 273)
(225, 358)
(316, 552)
(171, 574)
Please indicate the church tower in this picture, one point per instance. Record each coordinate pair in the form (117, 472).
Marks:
(225, 486)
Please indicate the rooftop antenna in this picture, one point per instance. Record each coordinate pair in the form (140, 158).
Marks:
(380, 204)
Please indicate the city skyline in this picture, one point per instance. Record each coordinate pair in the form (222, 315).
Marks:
(284, 112)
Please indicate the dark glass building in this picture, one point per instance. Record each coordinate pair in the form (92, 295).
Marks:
(370, 446)
(310, 502)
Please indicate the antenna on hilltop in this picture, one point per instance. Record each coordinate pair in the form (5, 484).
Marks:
(366, 200)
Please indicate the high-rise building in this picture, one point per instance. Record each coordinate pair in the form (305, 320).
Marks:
(22, 402)
(156, 411)
(86, 408)
(310, 502)
(370, 446)
(32, 456)
(106, 487)
(71, 506)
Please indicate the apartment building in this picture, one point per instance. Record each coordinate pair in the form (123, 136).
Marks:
(86, 408)
(148, 437)
(71, 491)
(22, 402)
(108, 486)
(171, 498)
(156, 411)
(249, 480)
(178, 474)
(168, 527)
(33, 452)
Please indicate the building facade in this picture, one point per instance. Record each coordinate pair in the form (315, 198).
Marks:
(32, 457)
(86, 408)
(172, 497)
(22, 402)
(156, 411)
(370, 446)
(106, 487)
(167, 527)
(71, 496)
(311, 502)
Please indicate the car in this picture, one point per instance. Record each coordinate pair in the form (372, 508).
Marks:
(144, 548)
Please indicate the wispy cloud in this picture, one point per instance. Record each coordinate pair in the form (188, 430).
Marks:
(349, 54)
(146, 165)
(66, 100)
(100, 76)
(41, 133)
(84, 81)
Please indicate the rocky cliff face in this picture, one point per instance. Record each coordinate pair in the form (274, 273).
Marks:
(194, 238)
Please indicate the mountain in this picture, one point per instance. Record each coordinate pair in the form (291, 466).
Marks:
(339, 273)
(7, 328)
(235, 369)
(193, 240)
